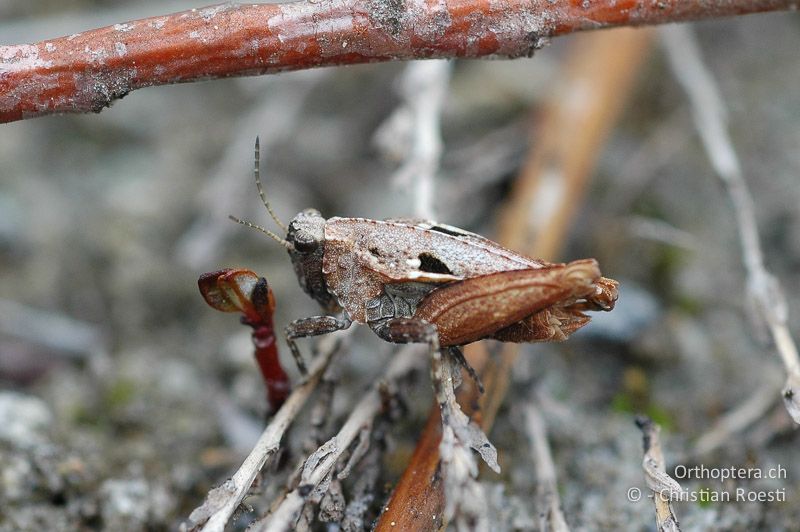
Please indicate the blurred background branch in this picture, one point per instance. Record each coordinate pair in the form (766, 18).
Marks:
(87, 71)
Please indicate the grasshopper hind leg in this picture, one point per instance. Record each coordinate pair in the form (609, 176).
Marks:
(410, 330)
(458, 356)
(313, 326)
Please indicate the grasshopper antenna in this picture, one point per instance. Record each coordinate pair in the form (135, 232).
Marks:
(257, 174)
(282, 241)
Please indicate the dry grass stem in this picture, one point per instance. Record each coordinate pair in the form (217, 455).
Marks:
(412, 133)
(664, 487)
(768, 302)
(660, 231)
(62, 334)
(752, 409)
(417, 501)
(598, 77)
(222, 501)
(551, 518)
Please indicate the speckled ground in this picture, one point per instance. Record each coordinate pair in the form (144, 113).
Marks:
(124, 398)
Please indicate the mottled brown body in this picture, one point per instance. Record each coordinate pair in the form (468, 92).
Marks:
(363, 256)
(422, 281)
(419, 281)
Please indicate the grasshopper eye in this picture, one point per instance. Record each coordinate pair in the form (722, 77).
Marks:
(305, 243)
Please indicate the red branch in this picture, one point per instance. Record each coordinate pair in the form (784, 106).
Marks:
(88, 71)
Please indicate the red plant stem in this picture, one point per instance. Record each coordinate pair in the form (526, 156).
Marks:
(88, 71)
(266, 353)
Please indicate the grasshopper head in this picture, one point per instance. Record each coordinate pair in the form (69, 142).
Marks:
(305, 240)
(306, 232)
(306, 236)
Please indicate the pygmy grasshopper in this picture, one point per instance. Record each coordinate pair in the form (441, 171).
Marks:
(421, 281)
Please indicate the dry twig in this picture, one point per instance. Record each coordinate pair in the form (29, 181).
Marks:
(363, 493)
(413, 133)
(744, 415)
(222, 501)
(664, 487)
(88, 71)
(60, 333)
(549, 504)
(768, 303)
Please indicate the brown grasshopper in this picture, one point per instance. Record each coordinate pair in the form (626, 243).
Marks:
(422, 281)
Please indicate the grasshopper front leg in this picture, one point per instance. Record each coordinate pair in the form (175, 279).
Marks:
(313, 326)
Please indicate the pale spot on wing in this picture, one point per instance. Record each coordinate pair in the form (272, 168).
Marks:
(416, 275)
(414, 263)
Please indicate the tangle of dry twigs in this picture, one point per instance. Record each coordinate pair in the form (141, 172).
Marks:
(767, 299)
